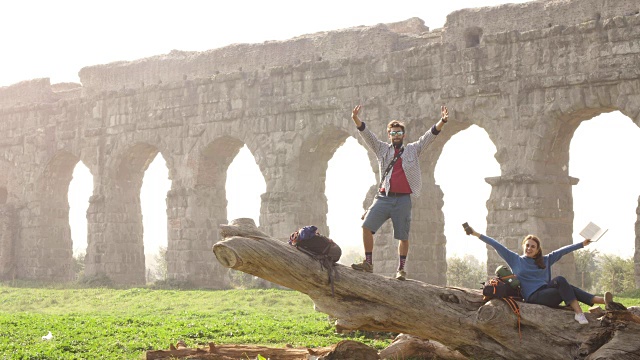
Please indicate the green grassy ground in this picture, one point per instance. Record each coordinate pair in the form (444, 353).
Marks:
(122, 324)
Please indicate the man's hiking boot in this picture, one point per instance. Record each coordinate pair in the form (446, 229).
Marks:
(363, 266)
(581, 319)
(401, 275)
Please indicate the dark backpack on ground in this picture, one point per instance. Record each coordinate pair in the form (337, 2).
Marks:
(319, 247)
(505, 286)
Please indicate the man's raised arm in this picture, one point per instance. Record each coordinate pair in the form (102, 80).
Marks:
(444, 117)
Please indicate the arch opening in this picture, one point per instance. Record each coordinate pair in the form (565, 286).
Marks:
(153, 204)
(313, 160)
(244, 186)
(80, 190)
(349, 177)
(601, 153)
(228, 187)
(466, 160)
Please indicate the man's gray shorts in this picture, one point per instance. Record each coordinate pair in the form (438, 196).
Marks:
(398, 208)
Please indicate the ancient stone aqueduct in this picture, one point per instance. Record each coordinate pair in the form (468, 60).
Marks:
(528, 74)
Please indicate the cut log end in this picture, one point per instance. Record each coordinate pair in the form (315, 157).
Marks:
(226, 256)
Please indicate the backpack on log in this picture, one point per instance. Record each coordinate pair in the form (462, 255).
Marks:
(505, 286)
(321, 248)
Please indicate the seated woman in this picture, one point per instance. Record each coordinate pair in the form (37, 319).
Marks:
(534, 271)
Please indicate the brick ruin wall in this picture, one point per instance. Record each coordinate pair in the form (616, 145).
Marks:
(528, 74)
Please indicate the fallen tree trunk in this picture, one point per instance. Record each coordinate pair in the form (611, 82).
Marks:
(455, 317)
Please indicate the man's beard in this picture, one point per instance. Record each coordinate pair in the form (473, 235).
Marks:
(397, 144)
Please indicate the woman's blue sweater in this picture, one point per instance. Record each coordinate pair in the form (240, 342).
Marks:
(531, 276)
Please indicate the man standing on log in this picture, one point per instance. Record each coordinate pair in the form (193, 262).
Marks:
(401, 179)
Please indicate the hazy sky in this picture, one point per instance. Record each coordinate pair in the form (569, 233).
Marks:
(55, 39)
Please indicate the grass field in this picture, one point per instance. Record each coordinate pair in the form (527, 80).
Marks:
(108, 323)
(122, 324)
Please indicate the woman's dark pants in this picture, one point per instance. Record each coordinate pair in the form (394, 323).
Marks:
(558, 290)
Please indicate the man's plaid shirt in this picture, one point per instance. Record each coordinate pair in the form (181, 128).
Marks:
(410, 157)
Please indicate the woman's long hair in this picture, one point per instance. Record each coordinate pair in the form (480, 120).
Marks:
(538, 256)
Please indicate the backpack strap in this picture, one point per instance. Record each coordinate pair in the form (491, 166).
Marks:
(494, 282)
(306, 251)
(513, 304)
(325, 263)
(333, 273)
(390, 166)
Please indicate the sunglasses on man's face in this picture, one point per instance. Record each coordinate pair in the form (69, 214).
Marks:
(394, 133)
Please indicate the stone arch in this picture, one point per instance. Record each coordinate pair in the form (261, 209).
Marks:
(46, 248)
(132, 164)
(605, 165)
(521, 81)
(311, 173)
(195, 209)
(629, 103)
(213, 161)
(349, 178)
(486, 118)
(115, 245)
(429, 254)
(567, 108)
(534, 194)
(463, 200)
(561, 146)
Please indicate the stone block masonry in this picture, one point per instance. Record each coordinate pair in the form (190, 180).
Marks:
(528, 74)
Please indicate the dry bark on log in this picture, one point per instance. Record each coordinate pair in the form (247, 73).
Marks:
(455, 317)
